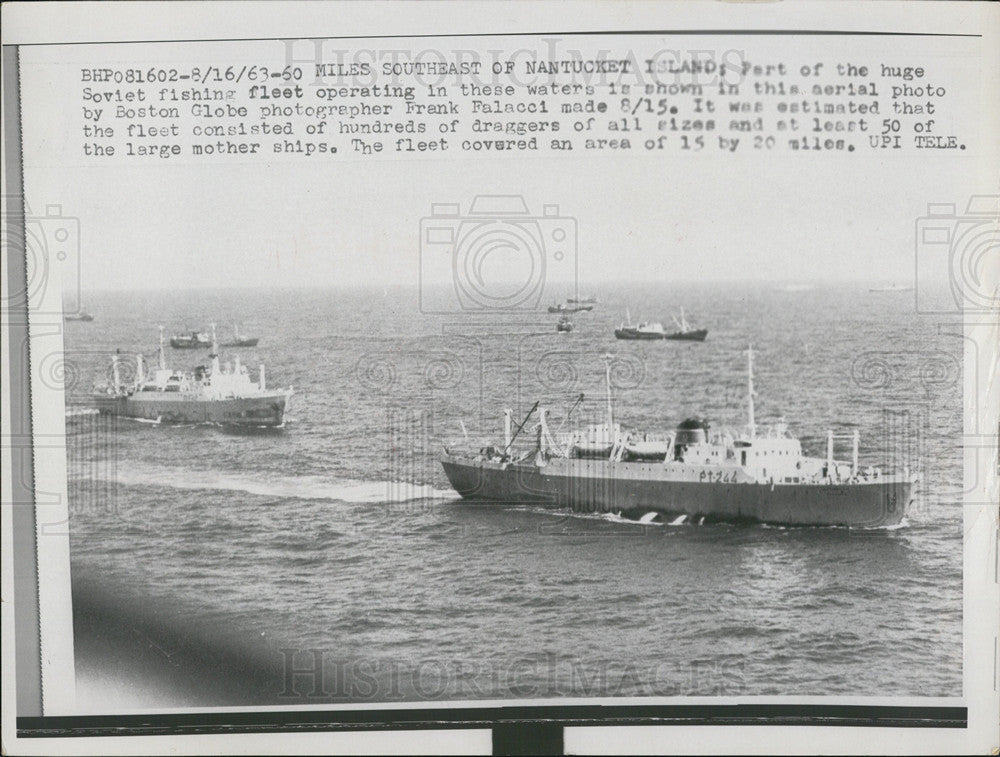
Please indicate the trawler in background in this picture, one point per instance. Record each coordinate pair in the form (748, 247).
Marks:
(191, 341)
(225, 395)
(757, 474)
(685, 331)
(564, 308)
(565, 325)
(241, 341)
(644, 330)
(654, 330)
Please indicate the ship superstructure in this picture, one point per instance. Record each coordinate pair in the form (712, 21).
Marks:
(217, 393)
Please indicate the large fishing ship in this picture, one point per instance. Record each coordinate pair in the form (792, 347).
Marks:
(688, 475)
(225, 395)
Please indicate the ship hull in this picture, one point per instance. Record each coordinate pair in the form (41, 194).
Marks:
(698, 335)
(634, 334)
(263, 410)
(635, 489)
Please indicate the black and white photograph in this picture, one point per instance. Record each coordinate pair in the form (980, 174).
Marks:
(541, 378)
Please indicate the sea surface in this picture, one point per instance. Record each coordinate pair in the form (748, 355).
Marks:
(337, 538)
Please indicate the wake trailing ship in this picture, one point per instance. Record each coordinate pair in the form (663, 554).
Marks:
(757, 475)
(219, 394)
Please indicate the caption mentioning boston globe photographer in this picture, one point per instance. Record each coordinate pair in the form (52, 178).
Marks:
(313, 101)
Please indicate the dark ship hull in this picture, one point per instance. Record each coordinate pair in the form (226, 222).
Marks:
(248, 342)
(573, 309)
(635, 489)
(627, 333)
(695, 335)
(167, 407)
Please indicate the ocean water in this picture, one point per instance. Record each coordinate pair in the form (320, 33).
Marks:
(337, 538)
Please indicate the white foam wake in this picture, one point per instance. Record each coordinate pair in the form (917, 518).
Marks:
(300, 487)
(76, 412)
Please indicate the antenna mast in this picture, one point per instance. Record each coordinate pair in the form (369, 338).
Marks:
(216, 368)
(607, 383)
(751, 422)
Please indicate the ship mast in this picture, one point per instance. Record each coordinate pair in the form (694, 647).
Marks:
(163, 357)
(607, 383)
(216, 370)
(751, 421)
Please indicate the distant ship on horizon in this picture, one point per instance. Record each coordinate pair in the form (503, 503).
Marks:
(892, 288)
(190, 341)
(563, 308)
(241, 341)
(652, 330)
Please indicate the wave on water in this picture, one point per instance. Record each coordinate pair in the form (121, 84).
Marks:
(299, 487)
(607, 517)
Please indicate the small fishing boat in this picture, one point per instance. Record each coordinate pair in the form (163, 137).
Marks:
(190, 341)
(565, 325)
(563, 308)
(645, 330)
